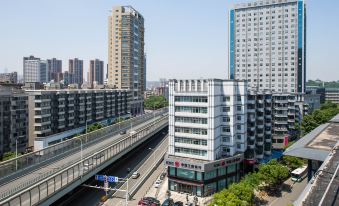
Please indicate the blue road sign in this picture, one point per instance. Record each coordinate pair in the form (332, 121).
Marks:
(112, 179)
(100, 177)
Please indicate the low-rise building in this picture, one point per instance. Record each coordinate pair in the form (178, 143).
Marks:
(55, 115)
(332, 95)
(11, 78)
(207, 134)
(13, 119)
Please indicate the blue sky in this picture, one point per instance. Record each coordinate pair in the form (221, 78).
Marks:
(184, 38)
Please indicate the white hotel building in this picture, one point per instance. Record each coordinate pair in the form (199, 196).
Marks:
(267, 45)
(207, 134)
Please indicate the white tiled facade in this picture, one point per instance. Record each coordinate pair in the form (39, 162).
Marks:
(35, 70)
(207, 118)
(267, 44)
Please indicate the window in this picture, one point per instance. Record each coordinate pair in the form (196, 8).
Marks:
(225, 129)
(226, 109)
(239, 118)
(231, 169)
(239, 98)
(222, 171)
(226, 119)
(239, 108)
(226, 139)
(226, 98)
(187, 174)
(172, 171)
(210, 175)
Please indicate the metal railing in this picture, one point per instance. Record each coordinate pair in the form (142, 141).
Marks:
(47, 187)
(11, 168)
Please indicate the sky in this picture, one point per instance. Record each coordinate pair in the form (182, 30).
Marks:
(183, 38)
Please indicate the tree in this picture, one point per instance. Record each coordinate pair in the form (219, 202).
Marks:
(273, 173)
(155, 102)
(9, 155)
(293, 162)
(94, 127)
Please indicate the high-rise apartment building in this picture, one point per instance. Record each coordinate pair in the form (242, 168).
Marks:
(35, 70)
(207, 134)
(76, 67)
(126, 58)
(55, 67)
(267, 44)
(13, 119)
(9, 77)
(55, 115)
(96, 72)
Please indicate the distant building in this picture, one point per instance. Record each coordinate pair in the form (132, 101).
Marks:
(207, 134)
(55, 67)
(13, 118)
(317, 90)
(9, 77)
(55, 115)
(68, 78)
(332, 95)
(96, 72)
(267, 44)
(312, 100)
(76, 68)
(126, 57)
(35, 70)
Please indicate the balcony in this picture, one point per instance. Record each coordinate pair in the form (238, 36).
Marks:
(280, 129)
(260, 109)
(252, 129)
(268, 100)
(250, 101)
(268, 132)
(260, 134)
(251, 137)
(252, 119)
(268, 108)
(260, 101)
(268, 116)
(260, 143)
(268, 140)
(268, 153)
(260, 126)
(260, 118)
(250, 110)
(259, 156)
(268, 124)
(281, 101)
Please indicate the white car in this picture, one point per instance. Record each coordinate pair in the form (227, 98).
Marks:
(157, 183)
(135, 175)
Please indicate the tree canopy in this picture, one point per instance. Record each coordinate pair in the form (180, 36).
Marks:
(242, 193)
(155, 102)
(320, 116)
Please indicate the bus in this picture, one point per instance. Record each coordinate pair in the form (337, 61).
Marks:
(299, 174)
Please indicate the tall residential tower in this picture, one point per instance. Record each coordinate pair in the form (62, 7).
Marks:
(267, 45)
(76, 67)
(96, 72)
(126, 58)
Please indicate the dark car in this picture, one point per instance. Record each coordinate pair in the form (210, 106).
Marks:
(168, 202)
(178, 203)
(149, 201)
(163, 175)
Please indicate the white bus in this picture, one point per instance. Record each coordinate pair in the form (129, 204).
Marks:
(299, 174)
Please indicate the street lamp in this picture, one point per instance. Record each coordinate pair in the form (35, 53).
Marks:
(81, 170)
(16, 154)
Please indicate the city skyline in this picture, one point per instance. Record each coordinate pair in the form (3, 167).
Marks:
(186, 48)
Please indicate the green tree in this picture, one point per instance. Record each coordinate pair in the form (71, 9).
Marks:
(273, 173)
(9, 155)
(155, 102)
(293, 162)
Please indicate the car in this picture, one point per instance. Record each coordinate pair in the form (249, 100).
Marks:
(157, 183)
(162, 176)
(168, 202)
(135, 175)
(123, 132)
(178, 203)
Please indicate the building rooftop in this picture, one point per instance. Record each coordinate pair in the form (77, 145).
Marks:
(323, 189)
(317, 144)
(261, 3)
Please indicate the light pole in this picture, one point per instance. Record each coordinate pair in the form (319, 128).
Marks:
(81, 164)
(127, 195)
(16, 154)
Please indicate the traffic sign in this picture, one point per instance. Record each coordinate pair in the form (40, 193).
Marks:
(100, 177)
(112, 179)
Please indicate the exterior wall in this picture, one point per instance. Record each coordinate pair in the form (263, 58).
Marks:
(96, 72)
(55, 66)
(332, 95)
(76, 68)
(267, 45)
(312, 101)
(58, 114)
(9, 77)
(223, 132)
(126, 59)
(13, 120)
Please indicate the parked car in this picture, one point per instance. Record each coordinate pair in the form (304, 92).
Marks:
(162, 176)
(168, 202)
(148, 201)
(178, 203)
(135, 175)
(157, 183)
(123, 132)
